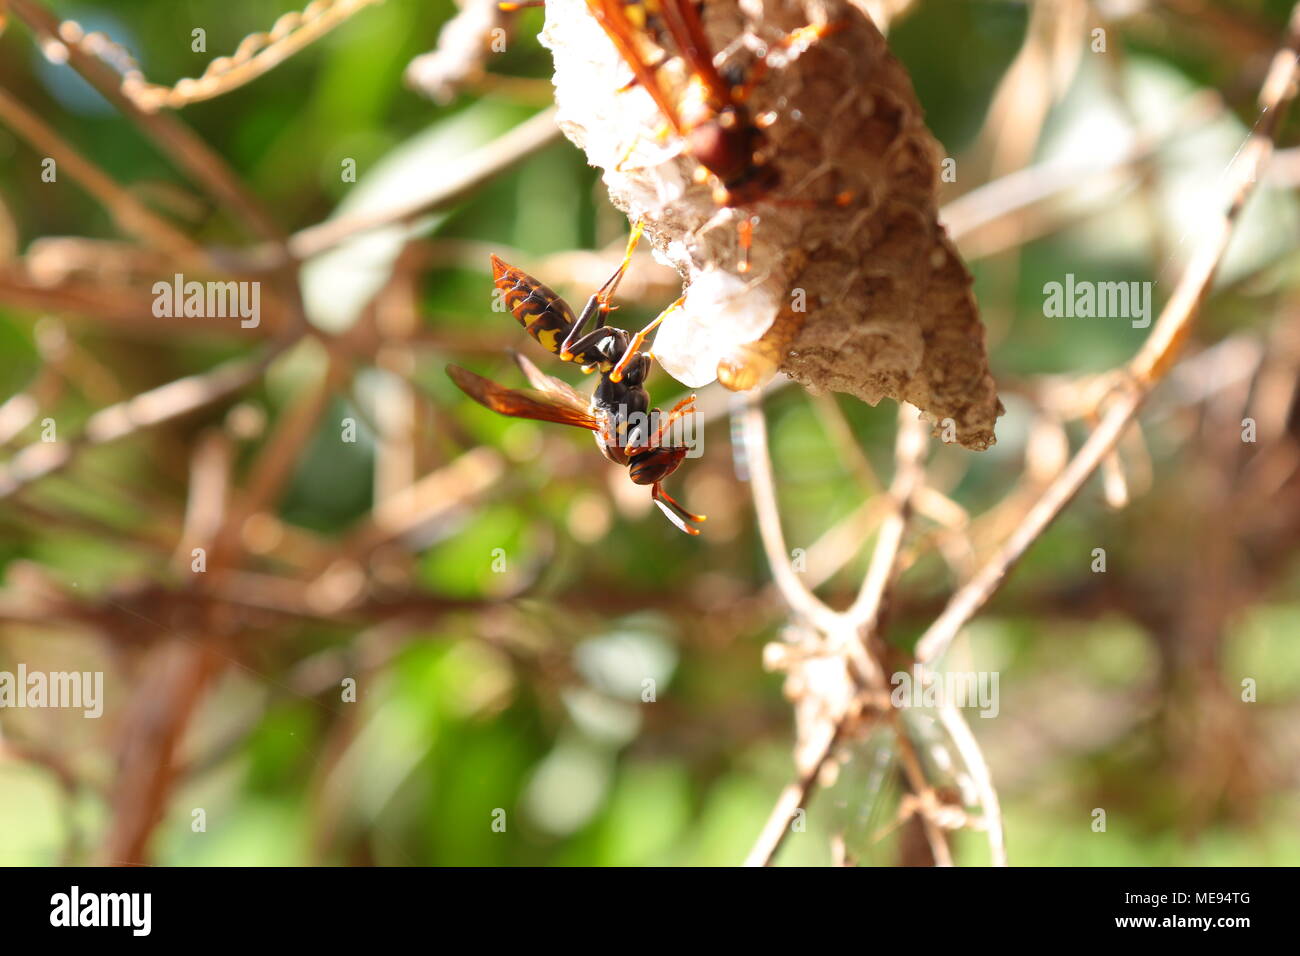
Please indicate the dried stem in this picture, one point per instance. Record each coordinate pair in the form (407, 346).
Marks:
(126, 418)
(132, 216)
(909, 452)
(847, 632)
(258, 53)
(477, 168)
(971, 754)
(763, 487)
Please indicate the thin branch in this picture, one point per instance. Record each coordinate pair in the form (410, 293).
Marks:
(126, 418)
(971, 754)
(125, 309)
(794, 796)
(910, 450)
(915, 774)
(848, 631)
(131, 216)
(477, 168)
(276, 459)
(763, 488)
(257, 54)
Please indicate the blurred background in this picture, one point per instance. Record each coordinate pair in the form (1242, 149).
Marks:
(496, 591)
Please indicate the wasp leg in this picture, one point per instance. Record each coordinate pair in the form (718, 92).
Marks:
(627, 154)
(652, 67)
(599, 302)
(607, 290)
(746, 240)
(839, 200)
(683, 408)
(799, 41)
(589, 349)
(634, 346)
(662, 132)
(674, 511)
(745, 228)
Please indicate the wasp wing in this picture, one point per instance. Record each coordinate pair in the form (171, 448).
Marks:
(542, 406)
(561, 391)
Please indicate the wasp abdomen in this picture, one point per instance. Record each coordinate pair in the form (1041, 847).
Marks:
(543, 314)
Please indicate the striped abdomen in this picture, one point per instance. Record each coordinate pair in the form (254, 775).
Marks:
(542, 313)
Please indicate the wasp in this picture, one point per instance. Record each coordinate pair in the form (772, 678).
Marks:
(709, 114)
(626, 430)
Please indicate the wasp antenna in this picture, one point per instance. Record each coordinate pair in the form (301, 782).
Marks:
(673, 509)
(675, 518)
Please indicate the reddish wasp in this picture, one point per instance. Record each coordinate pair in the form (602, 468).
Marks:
(619, 410)
(709, 114)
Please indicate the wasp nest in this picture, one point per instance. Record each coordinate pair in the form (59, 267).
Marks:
(853, 286)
